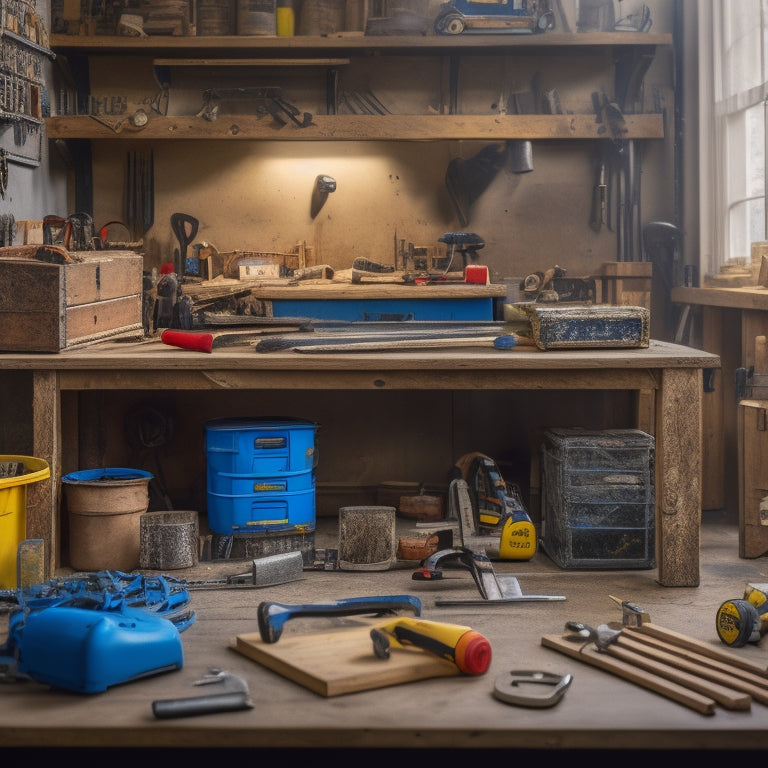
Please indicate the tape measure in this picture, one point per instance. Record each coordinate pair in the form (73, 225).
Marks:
(741, 621)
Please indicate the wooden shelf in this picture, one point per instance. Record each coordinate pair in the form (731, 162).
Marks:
(412, 45)
(356, 128)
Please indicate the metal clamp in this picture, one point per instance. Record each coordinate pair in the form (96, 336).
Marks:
(531, 688)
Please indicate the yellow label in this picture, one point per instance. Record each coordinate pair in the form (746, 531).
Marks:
(728, 623)
(518, 541)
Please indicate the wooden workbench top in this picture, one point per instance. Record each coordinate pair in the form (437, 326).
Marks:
(599, 711)
(152, 354)
(745, 297)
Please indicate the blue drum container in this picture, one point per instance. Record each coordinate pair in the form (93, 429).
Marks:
(260, 475)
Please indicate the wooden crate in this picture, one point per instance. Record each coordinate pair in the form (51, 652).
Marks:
(627, 283)
(753, 478)
(51, 307)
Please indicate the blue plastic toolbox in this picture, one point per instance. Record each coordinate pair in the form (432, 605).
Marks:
(266, 446)
(260, 475)
(255, 513)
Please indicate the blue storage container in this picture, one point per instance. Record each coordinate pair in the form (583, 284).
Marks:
(259, 482)
(260, 475)
(258, 512)
(260, 445)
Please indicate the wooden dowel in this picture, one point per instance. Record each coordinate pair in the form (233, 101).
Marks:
(704, 661)
(691, 643)
(705, 705)
(400, 345)
(726, 697)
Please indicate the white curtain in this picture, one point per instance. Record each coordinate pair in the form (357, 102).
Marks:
(733, 78)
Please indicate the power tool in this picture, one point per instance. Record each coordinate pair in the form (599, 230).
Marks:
(498, 507)
(744, 621)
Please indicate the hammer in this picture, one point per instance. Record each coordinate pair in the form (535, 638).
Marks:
(273, 616)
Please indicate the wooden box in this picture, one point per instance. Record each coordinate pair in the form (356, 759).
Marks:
(627, 283)
(588, 326)
(753, 478)
(51, 307)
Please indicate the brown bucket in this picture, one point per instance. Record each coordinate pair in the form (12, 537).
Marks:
(105, 508)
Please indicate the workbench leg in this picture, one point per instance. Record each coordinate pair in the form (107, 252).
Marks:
(678, 477)
(43, 502)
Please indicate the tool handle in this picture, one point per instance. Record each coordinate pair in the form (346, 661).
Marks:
(272, 616)
(166, 709)
(197, 342)
(466, 648)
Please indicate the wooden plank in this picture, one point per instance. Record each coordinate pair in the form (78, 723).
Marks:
(346, 41)
(337, 663)
(44, 498)
(678, 474)
(713, 494)
(752, 297)
(358, 128)
(254, 62)
(671, 690)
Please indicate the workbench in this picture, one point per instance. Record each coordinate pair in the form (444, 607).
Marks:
(665, 381)
(730, 320)
(600, 712)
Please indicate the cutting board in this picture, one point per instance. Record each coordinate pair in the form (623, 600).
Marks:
(342, 661)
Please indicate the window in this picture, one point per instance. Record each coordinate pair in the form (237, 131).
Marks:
(733, 59)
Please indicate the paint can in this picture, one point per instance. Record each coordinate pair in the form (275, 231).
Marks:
(215, 18)
(256, 17)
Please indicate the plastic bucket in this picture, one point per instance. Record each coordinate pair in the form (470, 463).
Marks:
(13, 508)
(105, 508)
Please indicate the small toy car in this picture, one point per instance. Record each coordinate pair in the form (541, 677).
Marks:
(494, 16)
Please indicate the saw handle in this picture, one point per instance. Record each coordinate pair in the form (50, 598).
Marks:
(197, 342)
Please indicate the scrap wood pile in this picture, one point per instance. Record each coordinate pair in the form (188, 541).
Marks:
(681, 668)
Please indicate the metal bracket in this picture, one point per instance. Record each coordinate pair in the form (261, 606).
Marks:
(531, 688)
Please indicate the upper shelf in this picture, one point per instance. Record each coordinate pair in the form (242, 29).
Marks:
(357, 128)
(426, 44)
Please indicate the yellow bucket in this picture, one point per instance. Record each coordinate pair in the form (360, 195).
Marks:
(13, 508)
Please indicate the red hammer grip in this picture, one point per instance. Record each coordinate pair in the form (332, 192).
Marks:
(197, 342)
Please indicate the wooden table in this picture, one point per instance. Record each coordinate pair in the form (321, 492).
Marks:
(731, 321)
(731, 318)
(666, 380)
(599, 712)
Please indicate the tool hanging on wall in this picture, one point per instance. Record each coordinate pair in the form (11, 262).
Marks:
(185, 229)
(139, 192)
(466, 180)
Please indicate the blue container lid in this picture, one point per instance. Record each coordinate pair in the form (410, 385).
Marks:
(248, 423)
(106, 475)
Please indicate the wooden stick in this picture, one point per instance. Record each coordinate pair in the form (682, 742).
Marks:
(726, 697)
(697, 658)
(401, 345)
(682, 695)
(676, 638)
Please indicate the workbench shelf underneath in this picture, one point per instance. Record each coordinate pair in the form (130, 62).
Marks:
(357, 128)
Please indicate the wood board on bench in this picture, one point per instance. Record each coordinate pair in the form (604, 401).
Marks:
(342, 661)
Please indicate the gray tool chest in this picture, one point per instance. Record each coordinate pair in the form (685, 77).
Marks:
(598, 498)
